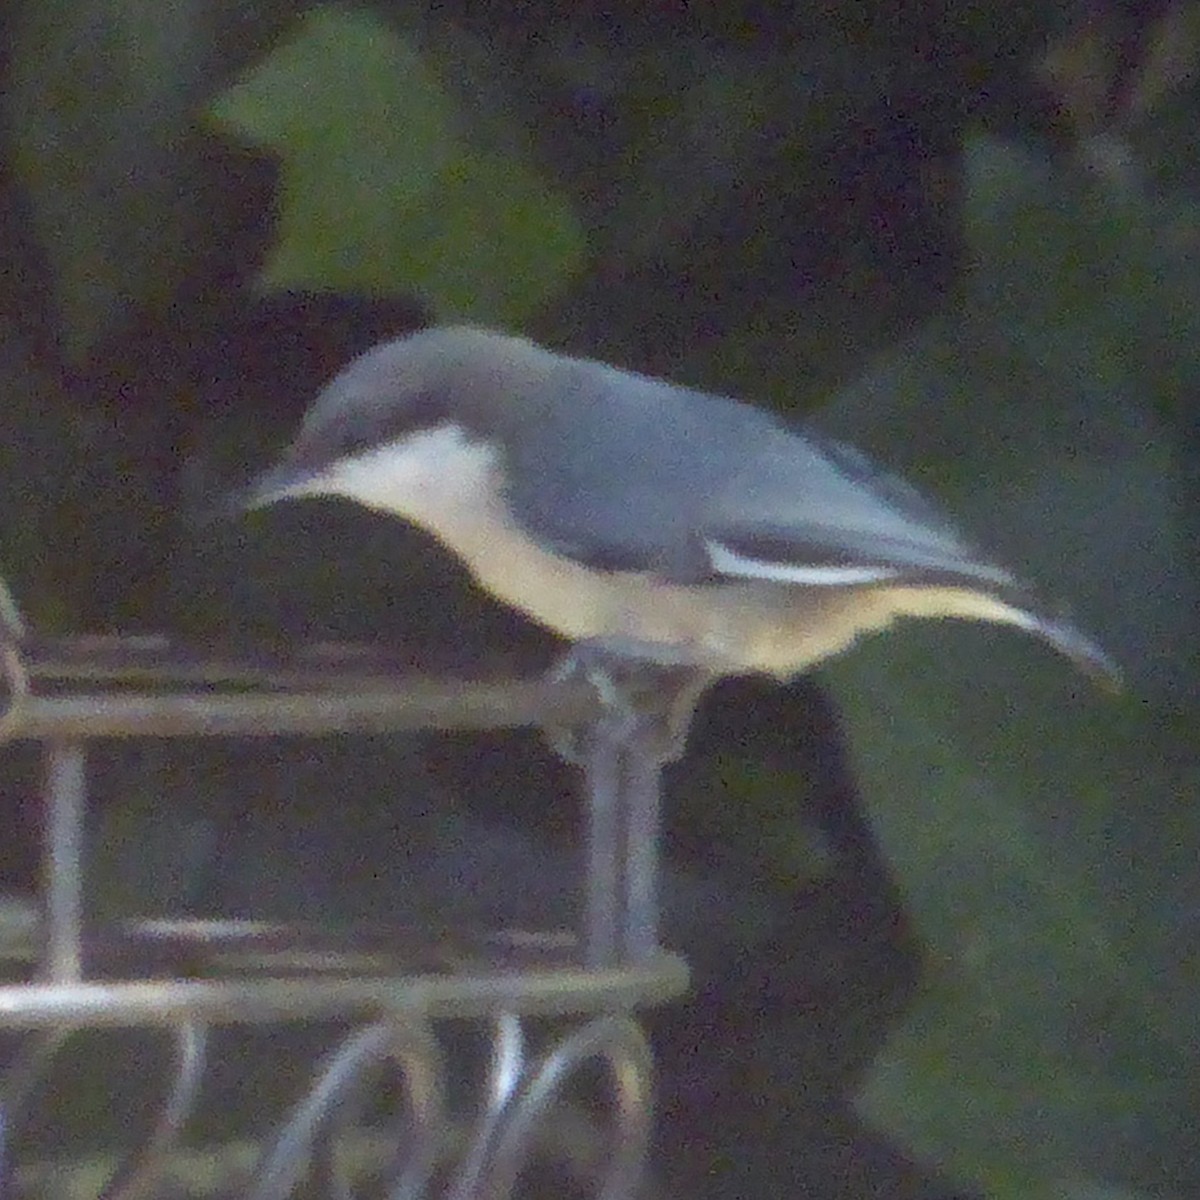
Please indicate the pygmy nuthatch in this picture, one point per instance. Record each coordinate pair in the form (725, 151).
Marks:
(665, 524)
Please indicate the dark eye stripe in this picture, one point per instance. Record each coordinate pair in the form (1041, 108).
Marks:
(357, 427)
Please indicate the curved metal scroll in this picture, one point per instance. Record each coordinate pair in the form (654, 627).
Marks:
(413, 1048)
(137, 1175)
(182, 977)
(515, 1126)
(139, 1172)
(622, 1045)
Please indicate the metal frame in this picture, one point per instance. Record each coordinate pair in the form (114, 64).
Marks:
(391, 989)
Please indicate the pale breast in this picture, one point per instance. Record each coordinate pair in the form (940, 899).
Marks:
(733, 626)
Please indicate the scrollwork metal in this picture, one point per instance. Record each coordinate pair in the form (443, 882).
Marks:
(181, 979)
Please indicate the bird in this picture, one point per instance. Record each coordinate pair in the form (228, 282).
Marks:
(660, 523)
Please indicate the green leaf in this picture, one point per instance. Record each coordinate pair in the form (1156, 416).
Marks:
(383, 187)
(1050, 1032)
(344, 101)
(87, 112)
(100, 107)
(1045, 834)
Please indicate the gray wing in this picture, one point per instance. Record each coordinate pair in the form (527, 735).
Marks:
(814, 512)
(630, 473)
(617, 471)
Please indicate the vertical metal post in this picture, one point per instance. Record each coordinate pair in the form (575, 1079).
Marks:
(66, 791)
(603, 778)
(640, 848)
(624, 783)
(641, 729)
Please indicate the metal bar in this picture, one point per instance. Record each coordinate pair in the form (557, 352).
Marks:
(638, 849)
(66, 790)
(420, 704)
(603, 882)
(624, 968)
(554, 992)
(156, 661)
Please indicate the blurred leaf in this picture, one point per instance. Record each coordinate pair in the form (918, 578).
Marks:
(492, 246)
(1045, 835)
(1057, 253)
(383, 190)
(362, 126)
(100, 101)
(1051, 1036)
(1090, 1190)
(789, 850)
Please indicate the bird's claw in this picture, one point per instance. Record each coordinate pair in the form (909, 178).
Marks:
(640, 701)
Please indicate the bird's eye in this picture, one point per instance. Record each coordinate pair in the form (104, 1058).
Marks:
(424, 410)
(359, 431)
(355, 442)
(348, 437)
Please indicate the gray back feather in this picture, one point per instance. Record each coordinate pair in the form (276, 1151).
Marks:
(682, 468)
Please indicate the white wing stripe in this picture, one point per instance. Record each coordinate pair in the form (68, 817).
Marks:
(729, 562)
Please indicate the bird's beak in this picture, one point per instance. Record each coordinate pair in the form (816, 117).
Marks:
(277, 483)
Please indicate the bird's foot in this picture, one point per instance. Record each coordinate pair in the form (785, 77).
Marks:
(644, 701)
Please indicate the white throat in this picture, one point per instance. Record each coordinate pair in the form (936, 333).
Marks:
(428, 477)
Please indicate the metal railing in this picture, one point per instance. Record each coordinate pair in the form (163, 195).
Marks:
(64, 974)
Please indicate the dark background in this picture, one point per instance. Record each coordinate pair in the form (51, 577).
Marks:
(942, 902)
